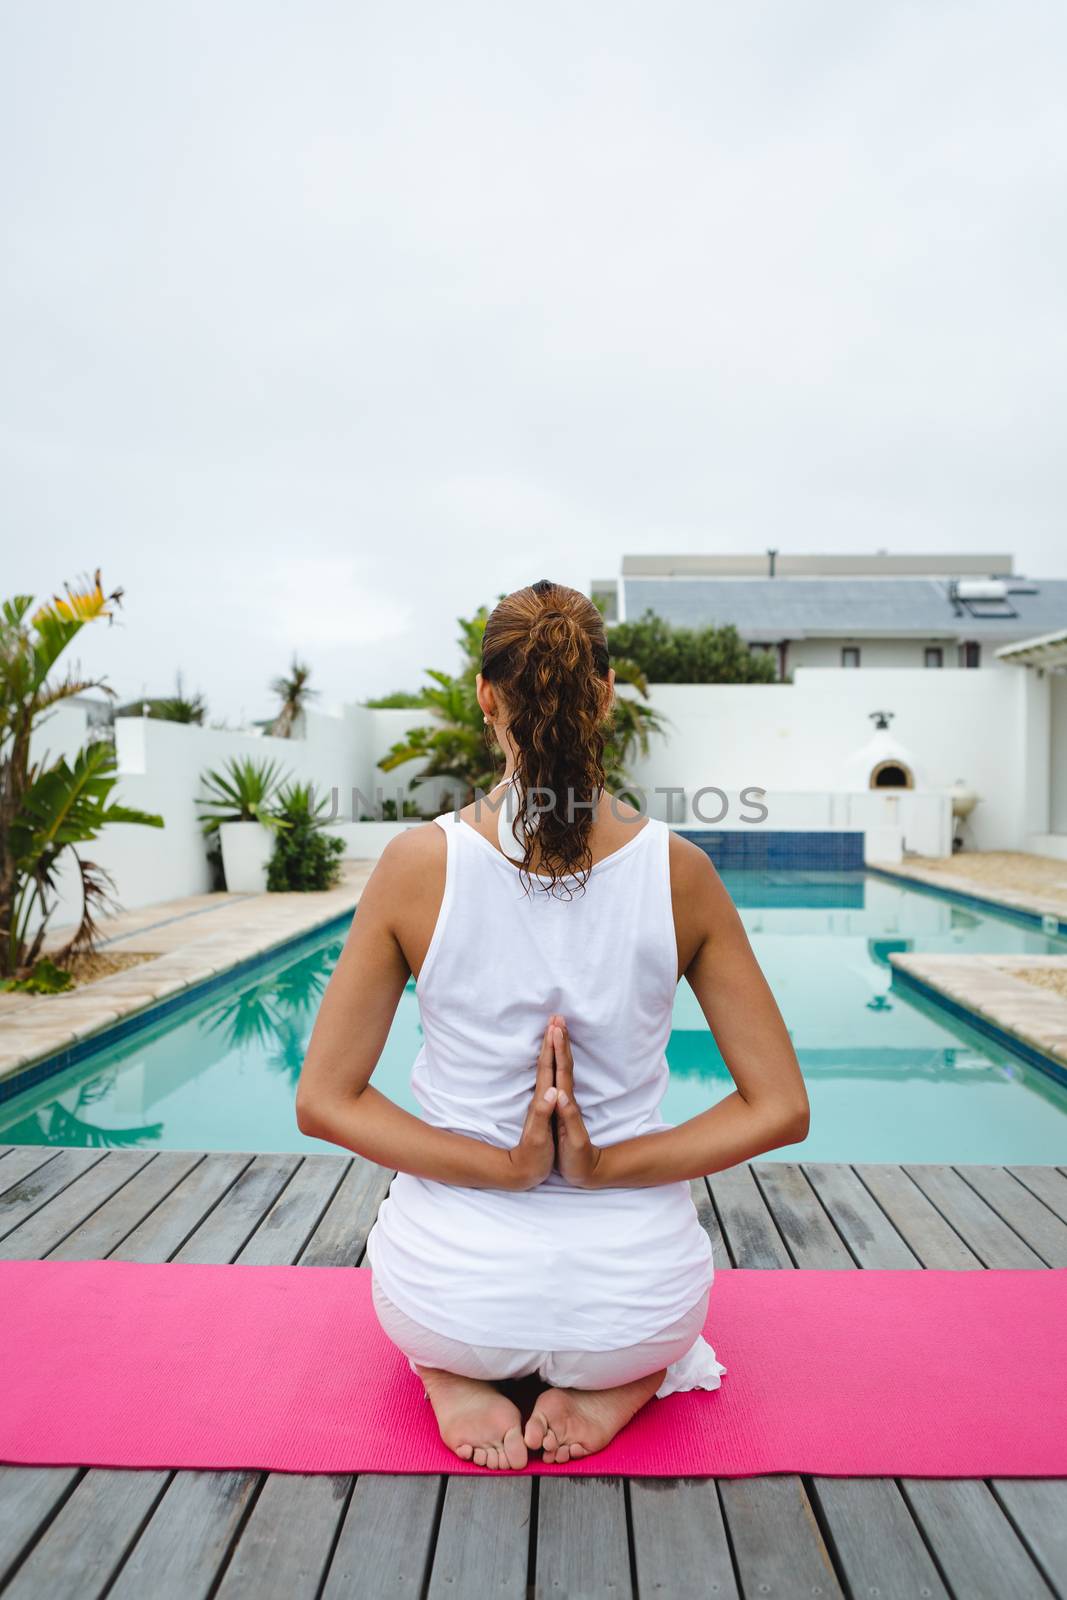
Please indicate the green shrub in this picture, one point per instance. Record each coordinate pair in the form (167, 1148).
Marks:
(45, 978)
(305, 857)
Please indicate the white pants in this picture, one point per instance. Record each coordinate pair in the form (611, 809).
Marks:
(688, 1358)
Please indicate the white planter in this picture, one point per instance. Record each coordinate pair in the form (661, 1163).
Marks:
(246, 851)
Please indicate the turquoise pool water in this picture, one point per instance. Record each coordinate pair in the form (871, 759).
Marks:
(890, 1077)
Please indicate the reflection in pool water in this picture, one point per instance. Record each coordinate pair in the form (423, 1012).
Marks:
(891, 1078)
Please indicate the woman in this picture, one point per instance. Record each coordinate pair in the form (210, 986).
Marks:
(541, 1218)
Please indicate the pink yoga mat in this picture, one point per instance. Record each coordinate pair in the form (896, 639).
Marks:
(923, 1374)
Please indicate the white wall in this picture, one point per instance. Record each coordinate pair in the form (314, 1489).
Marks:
(1058, 753)
(874, 653)
(799, 742)
(799, 738)
(880, 653)
(160, 767)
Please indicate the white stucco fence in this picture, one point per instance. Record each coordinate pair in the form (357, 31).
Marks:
(809, 745)
(813, 738)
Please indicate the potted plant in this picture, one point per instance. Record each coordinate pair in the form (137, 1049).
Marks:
(238, 807)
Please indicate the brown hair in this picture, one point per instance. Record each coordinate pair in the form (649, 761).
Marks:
(546, 651)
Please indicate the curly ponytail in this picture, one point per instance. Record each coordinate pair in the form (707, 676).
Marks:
(546, 651)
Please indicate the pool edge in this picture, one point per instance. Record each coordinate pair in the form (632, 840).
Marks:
(29, 1074)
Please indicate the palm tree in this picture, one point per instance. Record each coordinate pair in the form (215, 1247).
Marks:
(294, 693)
(176, 707)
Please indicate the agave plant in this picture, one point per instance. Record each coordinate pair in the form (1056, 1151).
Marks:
(49, 807)
(244, 791)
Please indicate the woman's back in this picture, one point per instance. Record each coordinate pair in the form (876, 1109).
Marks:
(570, 1267)
(504, 958)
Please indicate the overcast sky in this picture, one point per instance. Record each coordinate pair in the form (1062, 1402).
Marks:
(324, 322)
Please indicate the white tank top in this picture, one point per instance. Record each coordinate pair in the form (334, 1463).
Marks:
(555, 1267)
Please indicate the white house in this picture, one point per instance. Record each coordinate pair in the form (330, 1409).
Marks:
(933, 612)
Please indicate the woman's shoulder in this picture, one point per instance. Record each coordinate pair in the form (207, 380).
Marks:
(412, 851)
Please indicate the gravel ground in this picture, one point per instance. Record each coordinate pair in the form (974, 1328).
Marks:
(1002, 869)
(1054, 978)
(84, 970)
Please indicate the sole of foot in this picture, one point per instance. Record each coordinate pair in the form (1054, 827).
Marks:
(567, 1424)
(476, 1421)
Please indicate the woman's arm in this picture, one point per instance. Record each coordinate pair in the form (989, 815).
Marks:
(769, 1104)
(334, 1100)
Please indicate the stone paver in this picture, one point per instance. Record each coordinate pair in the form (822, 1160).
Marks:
(1013, 879)
(195, 937)
(989, 985)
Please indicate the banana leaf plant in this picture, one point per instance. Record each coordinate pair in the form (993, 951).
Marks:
(49, 807)
(65, 804)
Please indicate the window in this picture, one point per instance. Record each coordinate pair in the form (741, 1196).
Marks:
(934, 656)
(970, 653)
(850, 655)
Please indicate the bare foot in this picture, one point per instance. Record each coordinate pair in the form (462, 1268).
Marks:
(475, 1420)
(566, 1424)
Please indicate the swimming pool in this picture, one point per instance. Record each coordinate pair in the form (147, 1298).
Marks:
(891, 1077)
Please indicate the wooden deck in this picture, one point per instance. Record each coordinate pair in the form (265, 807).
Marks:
(71, 1532)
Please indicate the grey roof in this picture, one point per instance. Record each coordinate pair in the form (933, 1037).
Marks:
(768, 609)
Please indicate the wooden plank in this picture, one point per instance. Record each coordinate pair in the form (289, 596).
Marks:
(51, 1223)
(680, 1546)
(814, 1244)
(386, 1539)
(226, 1229)
(855, 1214)
(188, 1538)
(291, 1220)
(1038, 1509)
(582, 1545)
(992, 1241)
(22, 1161)
(809, 1235)
(878, 1549)
(974, 1544)
(777, 1544)
(915, 1219)
(794, 1551)
(705, 1209)
(483, 1542)
(1027, 1216)
(19, 1202)
(341, 1236)
(1049, 1185)
(166, 1228)
(284, 1547)
(102, 1232)
(240, 1224)
(748, 1227)
(88, 1540)
(29, 1498)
